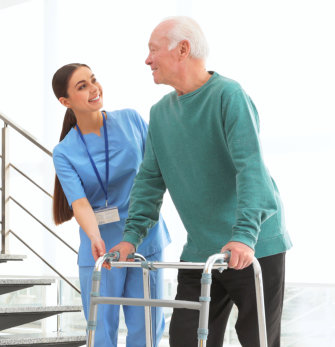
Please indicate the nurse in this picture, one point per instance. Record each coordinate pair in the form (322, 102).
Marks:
(96, 161)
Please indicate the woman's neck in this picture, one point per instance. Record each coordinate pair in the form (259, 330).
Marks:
(89, 122)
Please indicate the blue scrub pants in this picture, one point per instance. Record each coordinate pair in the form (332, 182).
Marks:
(124, 282)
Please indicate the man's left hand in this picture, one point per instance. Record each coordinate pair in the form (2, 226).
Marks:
(241, 255)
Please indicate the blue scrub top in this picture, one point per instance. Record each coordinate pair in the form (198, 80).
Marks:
(127, 132)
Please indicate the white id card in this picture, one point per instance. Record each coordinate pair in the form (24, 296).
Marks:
(107, 215)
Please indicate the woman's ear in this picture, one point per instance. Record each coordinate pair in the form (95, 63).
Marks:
(64, 101)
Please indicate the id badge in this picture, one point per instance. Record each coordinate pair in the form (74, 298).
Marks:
(107, 215)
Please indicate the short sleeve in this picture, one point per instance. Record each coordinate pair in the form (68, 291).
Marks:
(68, 178)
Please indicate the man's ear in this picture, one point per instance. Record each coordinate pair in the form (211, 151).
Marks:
(65, 102)
(184, 49)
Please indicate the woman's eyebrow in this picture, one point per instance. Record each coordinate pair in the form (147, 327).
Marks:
(83, 80)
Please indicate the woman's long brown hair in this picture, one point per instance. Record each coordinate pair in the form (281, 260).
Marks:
(60, 208)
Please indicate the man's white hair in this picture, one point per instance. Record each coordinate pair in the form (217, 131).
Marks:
(186, 28)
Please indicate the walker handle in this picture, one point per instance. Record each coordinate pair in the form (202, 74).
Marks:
(115, 256)
(226, 260)
(228, 255)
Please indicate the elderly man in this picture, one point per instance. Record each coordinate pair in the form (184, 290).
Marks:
(203, 146)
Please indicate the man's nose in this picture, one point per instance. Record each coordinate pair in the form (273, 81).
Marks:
(148, 60)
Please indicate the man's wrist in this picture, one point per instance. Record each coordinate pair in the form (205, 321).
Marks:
(132, 238)
(248, 241)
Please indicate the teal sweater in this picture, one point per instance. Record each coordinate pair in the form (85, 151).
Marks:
(204, 148)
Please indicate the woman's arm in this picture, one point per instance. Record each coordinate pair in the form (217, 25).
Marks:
(85, 217)
(76, 197)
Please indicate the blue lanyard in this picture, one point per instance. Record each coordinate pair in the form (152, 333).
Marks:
(91, 159)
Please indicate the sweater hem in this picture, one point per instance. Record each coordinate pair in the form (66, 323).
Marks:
(264, 248)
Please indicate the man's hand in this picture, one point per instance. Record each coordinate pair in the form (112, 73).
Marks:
(241, 255)
(124, 248)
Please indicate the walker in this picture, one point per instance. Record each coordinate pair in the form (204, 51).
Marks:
(216, 261)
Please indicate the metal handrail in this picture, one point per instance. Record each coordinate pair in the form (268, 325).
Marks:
(24, 133)
(7, 164)
(30, 180)
(46, 262)
(43, 225)
(27, 211)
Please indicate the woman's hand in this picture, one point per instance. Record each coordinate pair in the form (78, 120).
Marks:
(85, 217)
(99, 249)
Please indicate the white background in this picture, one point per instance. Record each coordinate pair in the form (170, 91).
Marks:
(282, 52)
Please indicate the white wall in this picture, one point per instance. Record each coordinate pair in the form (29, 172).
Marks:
(280, 51)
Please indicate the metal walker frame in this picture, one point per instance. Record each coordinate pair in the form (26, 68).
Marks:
(216, 261)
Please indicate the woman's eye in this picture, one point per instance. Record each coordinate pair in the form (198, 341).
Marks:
(82, 87)
(94, 80)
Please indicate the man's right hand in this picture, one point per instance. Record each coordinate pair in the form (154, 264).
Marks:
(241, 255)
(124, 248)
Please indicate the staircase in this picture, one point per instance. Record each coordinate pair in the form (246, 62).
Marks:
(23, 313)
(13, 316)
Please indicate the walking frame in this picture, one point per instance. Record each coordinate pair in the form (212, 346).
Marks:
(217, 261)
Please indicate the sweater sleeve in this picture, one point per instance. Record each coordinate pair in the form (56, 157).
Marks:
(143, 129)
(255, 192)
(146, 197)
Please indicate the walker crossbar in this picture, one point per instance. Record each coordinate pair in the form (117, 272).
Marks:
(192, 305)
(216, 261)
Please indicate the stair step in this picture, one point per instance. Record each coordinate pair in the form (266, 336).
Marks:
(11, 257)
(49, 340)
(8, 285)
(14, 316)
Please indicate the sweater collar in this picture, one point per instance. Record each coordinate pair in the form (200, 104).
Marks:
(203, 87)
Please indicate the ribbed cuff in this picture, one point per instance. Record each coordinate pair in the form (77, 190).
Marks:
(246, 239)
(132, 237)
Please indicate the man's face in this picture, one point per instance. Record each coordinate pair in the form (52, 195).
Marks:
(163, 62)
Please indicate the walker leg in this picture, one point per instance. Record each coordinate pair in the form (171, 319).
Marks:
(206, 281)
(205, 298)
(260, 304)
(147, 309)
(92, 320)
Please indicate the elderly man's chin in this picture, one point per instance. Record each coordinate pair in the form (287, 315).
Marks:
(157, 80)
(156, 77)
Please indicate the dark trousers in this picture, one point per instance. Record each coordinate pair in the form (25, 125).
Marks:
(228, 288)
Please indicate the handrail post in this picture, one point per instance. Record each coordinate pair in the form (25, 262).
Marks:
(5, 191)
(59, 303)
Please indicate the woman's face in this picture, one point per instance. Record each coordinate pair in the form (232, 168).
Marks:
(84, 92)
